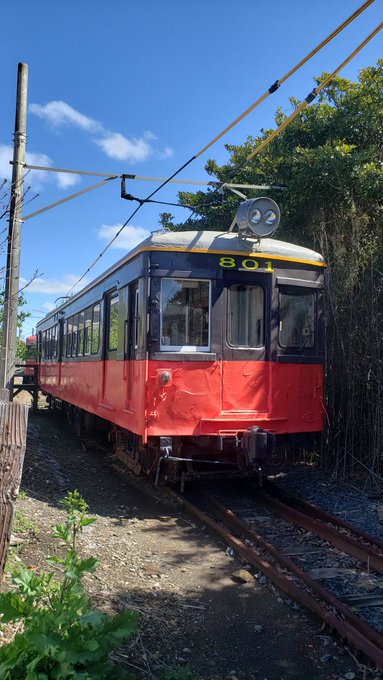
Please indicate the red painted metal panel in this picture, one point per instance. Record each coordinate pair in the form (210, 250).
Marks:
(191, 397)
(81, 385)
(282, 398)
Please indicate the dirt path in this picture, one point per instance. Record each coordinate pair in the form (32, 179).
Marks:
(194, 617)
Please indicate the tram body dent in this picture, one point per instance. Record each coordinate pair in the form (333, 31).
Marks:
(200, 346)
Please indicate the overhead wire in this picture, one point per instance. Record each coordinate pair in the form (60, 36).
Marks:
(300, 108)
(287, 75)
(273, 88)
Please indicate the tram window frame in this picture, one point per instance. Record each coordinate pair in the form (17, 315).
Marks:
(113, 321)
(50, 343)
(74, 334)
(296, 292)
(43, 344)
(96, 324)
(229, 334)
(69, 333)
(54, 341)
(87, 330)
(190, 284)
(80, 334)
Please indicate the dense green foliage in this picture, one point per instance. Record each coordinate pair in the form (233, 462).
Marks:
(64, 638)
(21, 350)
(330, 161)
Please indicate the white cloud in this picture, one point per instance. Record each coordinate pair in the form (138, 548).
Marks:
(34, 178)
(167, 152)
(129, 238)
(114, 144)
(65, 180)
(49, 306)
(121, 148)
(60, 113)
(53, 286)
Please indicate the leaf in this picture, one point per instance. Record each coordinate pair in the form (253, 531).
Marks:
(11, 607)
(90, 564)
(61, 531)
(85, 521)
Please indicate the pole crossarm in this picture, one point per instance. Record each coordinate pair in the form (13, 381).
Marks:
(69, 198)
(142, 178)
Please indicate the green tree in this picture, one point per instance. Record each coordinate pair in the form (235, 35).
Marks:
(330, 161)
(22, 315)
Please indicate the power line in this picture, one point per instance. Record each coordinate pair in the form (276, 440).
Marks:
(280, 81)
(306, 102)
(271, 90)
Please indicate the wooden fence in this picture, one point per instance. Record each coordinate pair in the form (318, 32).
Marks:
(13, 440)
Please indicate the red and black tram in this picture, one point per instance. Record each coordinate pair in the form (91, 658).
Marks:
(198, 348)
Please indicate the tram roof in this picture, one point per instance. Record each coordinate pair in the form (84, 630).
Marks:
(224, 242)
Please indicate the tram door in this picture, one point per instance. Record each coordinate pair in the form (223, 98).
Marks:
(60, 350)
(133, 345)
(110, 363)
(246, 378)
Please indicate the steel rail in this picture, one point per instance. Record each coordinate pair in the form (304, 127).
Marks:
(347, 544)
(370, 643)
(241, 527)
(317, 513)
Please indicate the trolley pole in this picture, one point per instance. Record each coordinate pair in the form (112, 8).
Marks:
(9, 337)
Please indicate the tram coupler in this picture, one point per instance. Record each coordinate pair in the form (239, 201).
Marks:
(257, 445)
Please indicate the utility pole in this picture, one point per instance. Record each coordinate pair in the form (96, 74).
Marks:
(9, 339)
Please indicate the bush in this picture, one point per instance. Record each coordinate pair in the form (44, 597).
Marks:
(64, 638)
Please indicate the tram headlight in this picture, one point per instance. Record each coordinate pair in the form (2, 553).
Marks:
(258, 216)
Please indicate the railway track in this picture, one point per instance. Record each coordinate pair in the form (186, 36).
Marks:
(289, 577)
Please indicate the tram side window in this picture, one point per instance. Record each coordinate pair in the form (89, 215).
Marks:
(296, 318)
(74, 334)
(54, 342)
(80, 334)
(88, 331)
(113, 322)
(69, 330)
(96, 328)
(49, 343)
(245, 316)
(185, 314)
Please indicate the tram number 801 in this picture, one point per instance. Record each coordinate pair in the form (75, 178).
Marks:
(248, 264)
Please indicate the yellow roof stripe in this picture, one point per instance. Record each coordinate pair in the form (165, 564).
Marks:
(264, 256)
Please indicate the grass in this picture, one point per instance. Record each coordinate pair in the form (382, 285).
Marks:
(22, 524)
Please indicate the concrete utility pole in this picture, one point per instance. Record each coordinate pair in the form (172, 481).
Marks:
(9, 340)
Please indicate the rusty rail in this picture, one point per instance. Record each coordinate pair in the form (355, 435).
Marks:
(367, 554)
(317, 513)
(351, 628)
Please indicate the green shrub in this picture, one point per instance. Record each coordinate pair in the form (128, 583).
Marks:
(64, 638)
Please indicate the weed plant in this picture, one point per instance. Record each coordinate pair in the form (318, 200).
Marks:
(63, 637)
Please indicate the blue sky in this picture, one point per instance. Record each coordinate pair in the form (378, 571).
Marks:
(123, 86)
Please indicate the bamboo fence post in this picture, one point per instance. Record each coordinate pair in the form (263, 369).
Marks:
(13, 440)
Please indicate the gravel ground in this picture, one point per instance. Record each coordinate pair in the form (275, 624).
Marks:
(193, 615)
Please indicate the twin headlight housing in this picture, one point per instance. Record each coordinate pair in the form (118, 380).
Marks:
(258, 217)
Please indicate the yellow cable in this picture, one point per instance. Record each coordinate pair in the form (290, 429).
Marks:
(314, 94)
(286, 76)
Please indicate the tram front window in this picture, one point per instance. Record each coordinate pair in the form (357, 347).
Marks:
(245, 316)
(185, 314)
(296, 318)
